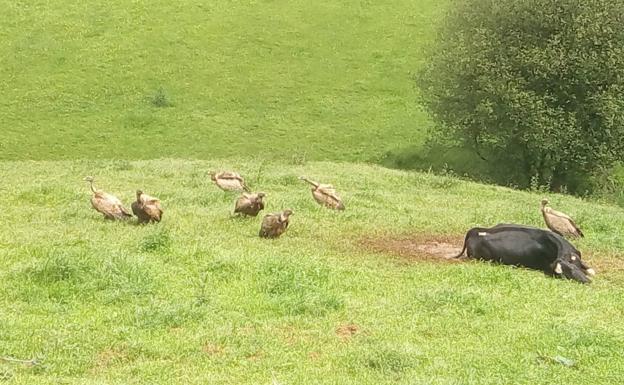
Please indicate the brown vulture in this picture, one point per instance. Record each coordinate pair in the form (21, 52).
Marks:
(274, 225)
(559, 222)
(325, 195)
(109, 205)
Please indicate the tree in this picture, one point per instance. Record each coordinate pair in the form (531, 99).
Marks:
(536, 86)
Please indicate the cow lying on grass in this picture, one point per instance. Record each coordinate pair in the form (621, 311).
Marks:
(528, 247)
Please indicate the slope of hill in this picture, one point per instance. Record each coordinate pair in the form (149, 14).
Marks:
(320, 80)
(201, 299)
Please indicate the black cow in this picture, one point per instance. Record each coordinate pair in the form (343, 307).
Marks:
(527, 246)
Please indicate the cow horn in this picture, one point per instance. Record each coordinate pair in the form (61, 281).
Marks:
(558, 268)
(590, 271)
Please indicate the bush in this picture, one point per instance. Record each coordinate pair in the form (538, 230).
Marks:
(532, 86)
(160, 99)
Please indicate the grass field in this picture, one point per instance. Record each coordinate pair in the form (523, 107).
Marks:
(199, 298)
(275, 90)
(154, 79)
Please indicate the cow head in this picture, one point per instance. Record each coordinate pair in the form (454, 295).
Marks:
(571, 267)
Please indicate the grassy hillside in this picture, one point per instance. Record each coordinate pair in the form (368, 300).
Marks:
(195, 79)
(201, 299)
(341, 298)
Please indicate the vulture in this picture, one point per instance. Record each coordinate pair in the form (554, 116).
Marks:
(229, 181)
(249, 204)
(147, 208)
(559, 222)
(325, 195)
(274, 225)
(109, 205)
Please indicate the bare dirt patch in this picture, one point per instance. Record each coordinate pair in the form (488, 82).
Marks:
(416, 247)
(607, 263)
(346, 331)
(435, 248)
(109, 357)
(255, 356)
(212, 349)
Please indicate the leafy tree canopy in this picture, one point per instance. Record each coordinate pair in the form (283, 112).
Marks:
(535, 86)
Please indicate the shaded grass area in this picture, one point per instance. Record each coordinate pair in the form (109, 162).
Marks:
(153, 79)
(200, 298)
(445, 160)
(605, 185)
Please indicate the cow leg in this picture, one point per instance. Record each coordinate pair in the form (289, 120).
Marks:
(587, 269)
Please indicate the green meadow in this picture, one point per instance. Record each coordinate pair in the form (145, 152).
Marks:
(154, 95)
(153, 79)
(200, 298)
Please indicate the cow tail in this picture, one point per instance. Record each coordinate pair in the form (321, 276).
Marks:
(464, 249)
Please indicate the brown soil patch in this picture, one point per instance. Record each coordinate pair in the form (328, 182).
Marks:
(434, 248)
(256, 356)
(314, 356)
(212, 349)
(109, 357)
(293, 336)
(607, 263)
(345, 332)
(417, 247)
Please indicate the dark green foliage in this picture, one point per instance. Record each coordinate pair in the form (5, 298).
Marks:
(160, 99)
(166, 315)
(56, 267)
(299, 289)
(453, 302)
(389, 361)
(534, 87)
(610, 184)
(158, 240)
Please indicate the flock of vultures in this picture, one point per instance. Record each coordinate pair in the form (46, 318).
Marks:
(512, 244)
(148, 209)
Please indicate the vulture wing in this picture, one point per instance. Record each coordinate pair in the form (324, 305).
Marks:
(242, 203)
(559, 214)
(562, 224)
(151, 202)
(270, 224)
(109, 205)
(230, 181)
(147, 212)
(145, 199)
(136, 209)
(124, 211)
(329, 197)
(229, 175)
(329, 191)
(153, 211)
